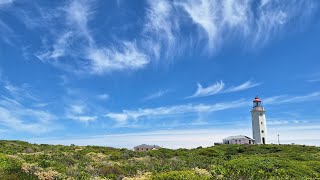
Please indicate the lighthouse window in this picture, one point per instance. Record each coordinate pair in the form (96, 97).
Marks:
(261, 123)
(262, 131)
(261, 114)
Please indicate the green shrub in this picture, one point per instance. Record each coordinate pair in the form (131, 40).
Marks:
(180, 175)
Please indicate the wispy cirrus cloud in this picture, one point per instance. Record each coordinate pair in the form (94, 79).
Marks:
(98, 59)
(189, 138)
(79, 112)
(103, 96)
(208, 91)
(176, 110)
(16, 116)
(161, 29)
(111, 59)
(292, 99)
(155, 95)
(241, 87)
(6, 32)
(18, 93)
(219, 87)
(257, 22)
(314, 78)
(160, 36)
(4, 2)
(150, 113)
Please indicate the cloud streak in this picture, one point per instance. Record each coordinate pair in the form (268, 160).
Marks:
(78, 112)
(156, 95)
(17, 117)
(162, 36)
(184, 109)
(150, 113)
(292, 99)
(88, 55)
(219, 87)
(187, 138)
(257, 22)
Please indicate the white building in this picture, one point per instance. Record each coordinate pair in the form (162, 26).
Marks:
(259, 126)
(241, 139)
(145, 147)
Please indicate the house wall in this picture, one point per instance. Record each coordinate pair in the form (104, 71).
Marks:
(143, 149)
(238, 141)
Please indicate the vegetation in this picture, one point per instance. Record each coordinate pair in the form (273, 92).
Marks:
(21, 160)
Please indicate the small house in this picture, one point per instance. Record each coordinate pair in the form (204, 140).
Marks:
(145, 147)
(240, 139)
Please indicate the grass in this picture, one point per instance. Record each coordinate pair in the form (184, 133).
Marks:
(21, 160)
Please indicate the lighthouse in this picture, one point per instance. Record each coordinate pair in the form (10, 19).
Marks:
(259, 126)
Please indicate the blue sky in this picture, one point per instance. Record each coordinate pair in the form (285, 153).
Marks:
(172, 73)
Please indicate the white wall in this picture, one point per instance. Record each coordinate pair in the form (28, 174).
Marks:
(259, 128)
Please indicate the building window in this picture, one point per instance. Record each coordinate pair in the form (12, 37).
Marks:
(261, 122)
(262, 131)
(137, 149)
(261, 114)
(239, 141)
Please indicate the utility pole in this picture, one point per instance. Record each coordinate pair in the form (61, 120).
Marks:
(278, 140)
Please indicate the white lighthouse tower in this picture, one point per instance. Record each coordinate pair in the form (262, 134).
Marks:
(259, 126)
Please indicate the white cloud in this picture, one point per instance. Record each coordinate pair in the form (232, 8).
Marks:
(204, 14)
(256, 22)
(6, 32)
(208, 91)
(103, 96)
(163, 35)
(40, 105)
(78, 112)
(17, 92)
(173, 110)
(177, 110)
(4, 2)
(78, 43)
(126, 57)
(59, 49)
(78, 108)
(81, 118)
(79, 13)
(292, 99)
(313, 80)
(281, 121)
(188, 138)
(219, 87)
(241, 87)
(120, 118)
(156, 95)
(160, 28)
(18, 117)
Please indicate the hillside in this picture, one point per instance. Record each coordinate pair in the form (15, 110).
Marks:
(21, 160)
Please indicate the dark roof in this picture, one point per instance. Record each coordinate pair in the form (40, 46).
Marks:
(237, 137)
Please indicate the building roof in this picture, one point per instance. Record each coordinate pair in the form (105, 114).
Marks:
(237, 137)
(147, 146)
(257, 99)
